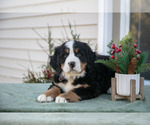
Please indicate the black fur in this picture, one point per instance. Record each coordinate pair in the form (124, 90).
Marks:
(98, 76)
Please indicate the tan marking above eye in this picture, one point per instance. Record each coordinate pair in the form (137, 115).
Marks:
(76, 50)
(67, 50)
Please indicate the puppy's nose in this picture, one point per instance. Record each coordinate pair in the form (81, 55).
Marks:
(71, 64)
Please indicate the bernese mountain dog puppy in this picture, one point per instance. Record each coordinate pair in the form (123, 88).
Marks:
(77, 76)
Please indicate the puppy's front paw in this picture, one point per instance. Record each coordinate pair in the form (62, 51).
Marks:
(44, 98)
(60, 99)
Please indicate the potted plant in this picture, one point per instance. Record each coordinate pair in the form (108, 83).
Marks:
(128, 62)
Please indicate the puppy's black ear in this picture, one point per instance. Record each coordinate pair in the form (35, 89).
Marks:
(91, 56)
(55, 63)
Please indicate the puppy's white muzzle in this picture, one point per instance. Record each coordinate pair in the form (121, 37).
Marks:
(72, 65)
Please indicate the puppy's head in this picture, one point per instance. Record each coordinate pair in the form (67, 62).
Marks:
(72, 57)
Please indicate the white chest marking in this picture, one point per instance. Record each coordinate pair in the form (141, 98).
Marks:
(68, 86)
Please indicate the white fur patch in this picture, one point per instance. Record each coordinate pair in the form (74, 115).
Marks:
(71, 58)
(70, 77)
(67, 86)
(60, 100)
(43, 98)
(69, 44)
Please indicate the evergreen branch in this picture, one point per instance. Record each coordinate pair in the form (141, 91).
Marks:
(143, 68)
(127, 44)
(143, 58)
(124, 56)
(110, 47)
(123, 62)
(126, 40)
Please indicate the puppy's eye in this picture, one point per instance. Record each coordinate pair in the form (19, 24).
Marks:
(78, 54)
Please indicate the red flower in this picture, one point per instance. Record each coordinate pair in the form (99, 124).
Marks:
(135, 45)
(138, 57)
(113, 46)
(112, 56)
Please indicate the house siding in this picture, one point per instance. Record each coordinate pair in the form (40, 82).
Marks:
(18, 41)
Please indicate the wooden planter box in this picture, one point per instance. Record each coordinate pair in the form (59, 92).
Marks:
(133, 96)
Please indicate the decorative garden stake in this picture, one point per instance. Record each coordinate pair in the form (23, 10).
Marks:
(128, 62)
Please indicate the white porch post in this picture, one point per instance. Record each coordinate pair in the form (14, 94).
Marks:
(124, 17)
(105, 22)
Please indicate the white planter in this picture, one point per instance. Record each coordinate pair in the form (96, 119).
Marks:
(123, 83)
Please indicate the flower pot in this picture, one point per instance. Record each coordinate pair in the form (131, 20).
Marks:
(123, 83)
